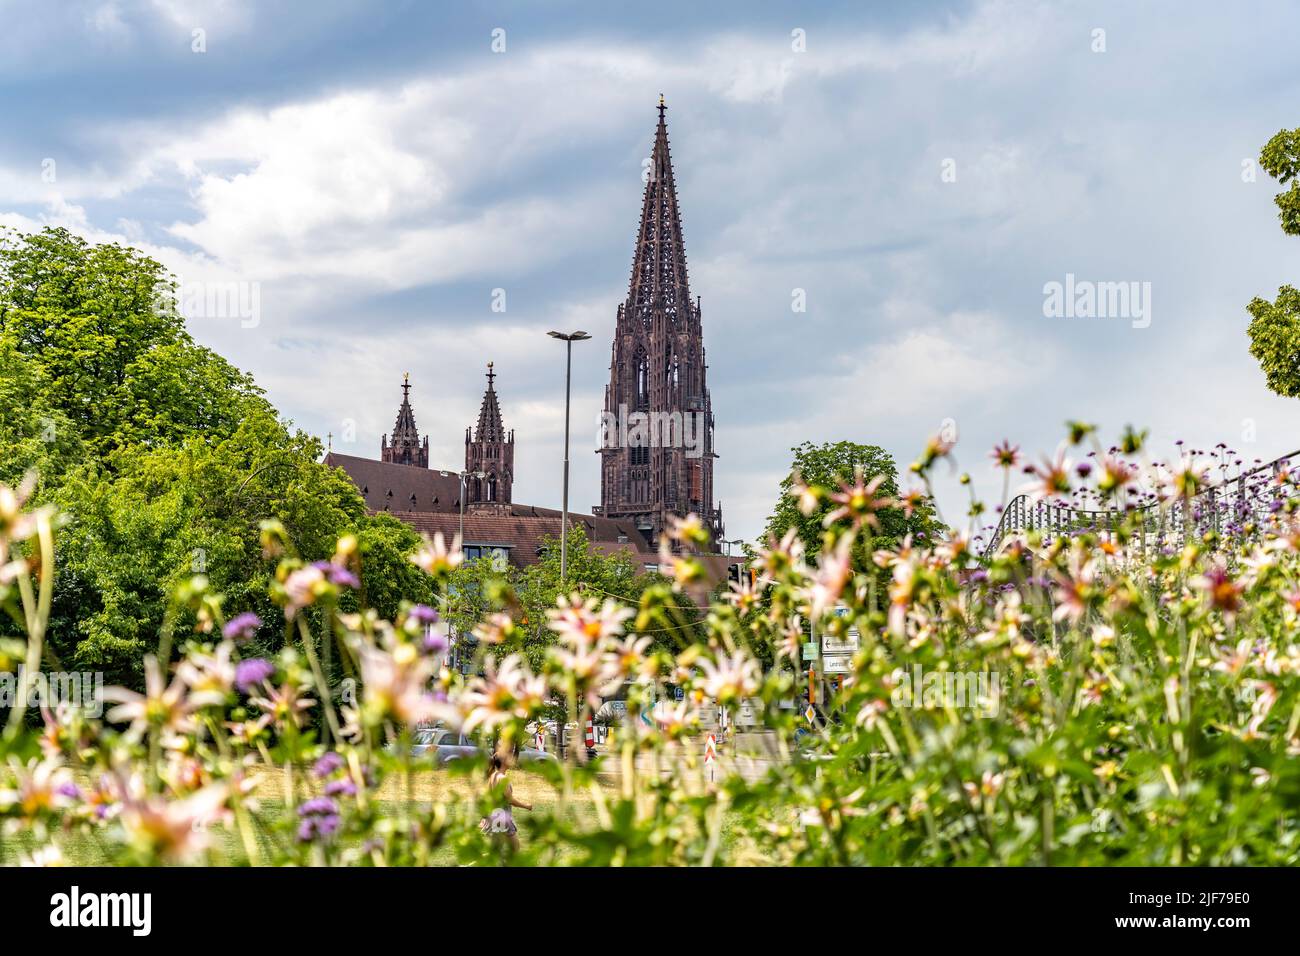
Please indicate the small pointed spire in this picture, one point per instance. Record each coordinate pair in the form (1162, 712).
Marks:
(489, 427)
(489, 449)
(406, 447)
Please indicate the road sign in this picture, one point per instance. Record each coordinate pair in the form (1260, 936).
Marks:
(710, 750)
(810, 651)
(841, 664)
(746, 713)
(841, 645)
(810, 714)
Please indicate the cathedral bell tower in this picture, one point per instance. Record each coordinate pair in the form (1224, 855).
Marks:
(490, 451)
(657, 442)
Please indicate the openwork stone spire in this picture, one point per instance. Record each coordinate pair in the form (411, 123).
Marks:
(659, 279)
(407, 447)
(489, 450)
(657, 443)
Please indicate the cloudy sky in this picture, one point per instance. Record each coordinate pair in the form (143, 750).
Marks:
(921, 171)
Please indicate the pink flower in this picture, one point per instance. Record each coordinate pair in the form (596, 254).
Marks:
(1052, 474)
(507, 691)
(159, 706)
(436, 558)
(834, 568)
(1006, 455)
(732, 677)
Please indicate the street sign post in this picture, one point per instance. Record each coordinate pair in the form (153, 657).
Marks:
(848, 644)
(839, 664)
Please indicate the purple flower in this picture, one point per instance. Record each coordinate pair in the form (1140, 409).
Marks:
(327, 764)
(250, 673)
(318, 807)
(69, 789)
(342, 787)
(336, 574)
(243, 627)
(435, 643)
(320, 819)
(318, 828)
(423, 614)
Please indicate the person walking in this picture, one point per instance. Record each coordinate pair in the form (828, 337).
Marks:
(500, 823)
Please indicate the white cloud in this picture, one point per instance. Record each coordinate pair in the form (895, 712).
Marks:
(817, 170)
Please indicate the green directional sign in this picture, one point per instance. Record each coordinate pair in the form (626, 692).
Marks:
(810, 651)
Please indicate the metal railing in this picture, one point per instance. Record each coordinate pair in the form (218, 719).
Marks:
(1229, 508)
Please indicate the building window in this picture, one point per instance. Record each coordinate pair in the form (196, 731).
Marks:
(642, 381)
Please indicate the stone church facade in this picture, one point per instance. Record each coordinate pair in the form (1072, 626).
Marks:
(657, 453)
(657, 445)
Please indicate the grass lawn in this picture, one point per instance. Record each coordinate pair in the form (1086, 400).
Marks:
(426, 786)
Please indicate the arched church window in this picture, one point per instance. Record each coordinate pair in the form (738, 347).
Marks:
(642, 381)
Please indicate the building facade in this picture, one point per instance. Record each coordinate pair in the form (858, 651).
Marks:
(657, 445)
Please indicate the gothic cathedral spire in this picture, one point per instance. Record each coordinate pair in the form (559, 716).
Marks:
(657, 448)
(406, 448)
(489, 451)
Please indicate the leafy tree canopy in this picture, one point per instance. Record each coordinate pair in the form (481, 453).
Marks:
(100, 326)
(163, 456)
(829, 466)
(1274, 329)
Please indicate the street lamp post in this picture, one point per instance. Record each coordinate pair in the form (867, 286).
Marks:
(454, 656)
(480, 475)
(568, 340)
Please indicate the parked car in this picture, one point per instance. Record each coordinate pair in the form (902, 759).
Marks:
(446, 745)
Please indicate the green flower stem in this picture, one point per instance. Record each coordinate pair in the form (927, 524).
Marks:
(322, 688)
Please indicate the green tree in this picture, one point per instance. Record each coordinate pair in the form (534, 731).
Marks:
(165, 514)
(163, 457)
(100, 324)
(827, 467)
(34, 436)
(1274, 329)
